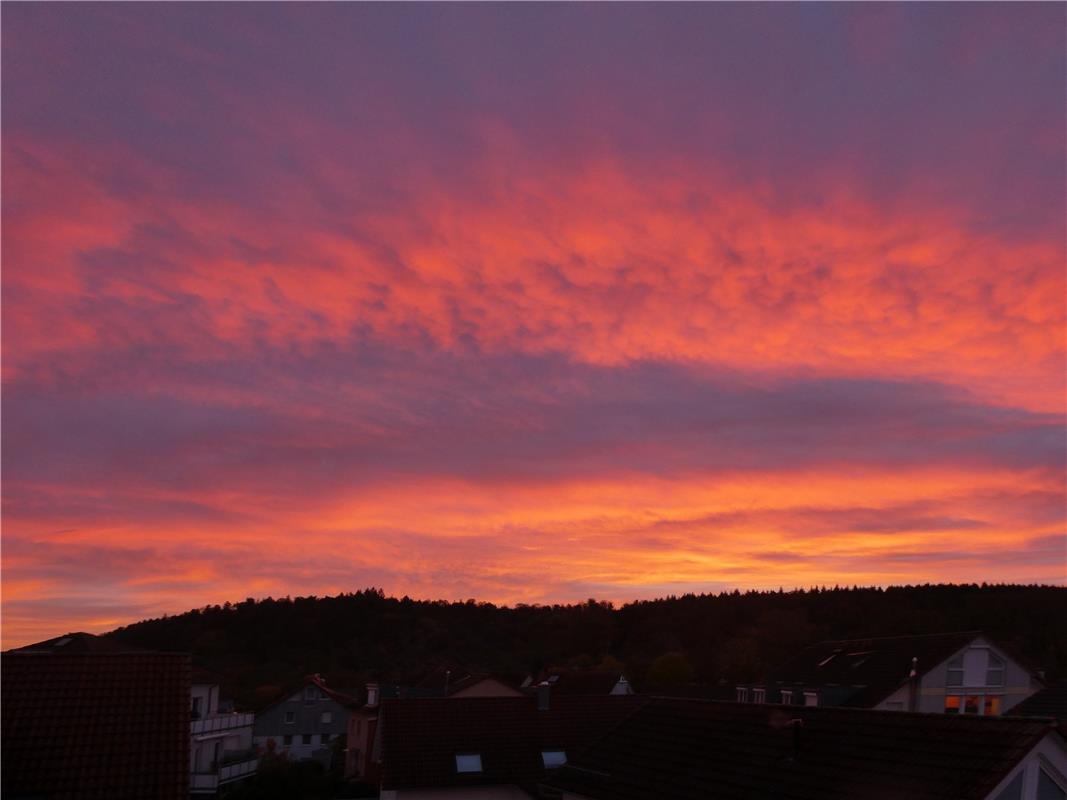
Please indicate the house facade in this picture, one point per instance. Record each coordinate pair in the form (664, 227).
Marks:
(306, 722)
(221, 750)
(957, 673)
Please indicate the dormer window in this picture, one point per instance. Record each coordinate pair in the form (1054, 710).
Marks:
(759, 695)
(811, 699)
(742, 694)
(994, 675)
(787, 697)
(468, 763)
(311, 694)
(553, 758)
(955, 671)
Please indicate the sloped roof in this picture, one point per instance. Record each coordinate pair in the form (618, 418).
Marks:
(1050, 702)
(875, 667)
(343, 698)
(421, 737)
(94, 724)
(80, 642)
(682, 748)
(579, 681)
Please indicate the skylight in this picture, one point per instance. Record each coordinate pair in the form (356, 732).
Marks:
(553, 758)
(469, 762)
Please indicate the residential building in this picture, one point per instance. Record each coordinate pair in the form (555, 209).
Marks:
(956, 673)
(87, 717)
(684, 748)
(487, 747)
(305, 722)
(221, 751)
(581, 681)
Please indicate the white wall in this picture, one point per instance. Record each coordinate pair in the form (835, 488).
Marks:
(1049, 755)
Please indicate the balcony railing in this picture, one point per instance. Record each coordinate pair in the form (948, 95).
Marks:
(233, 767)
(220, 722)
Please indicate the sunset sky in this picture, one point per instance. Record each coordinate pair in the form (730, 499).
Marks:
(527, 303)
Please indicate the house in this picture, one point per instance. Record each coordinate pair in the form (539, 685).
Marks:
(575, 681)
(684, 748)
(449, 679)
(487, 747)
(221, 751)
(87, 717)
(954, 673)
(306, 722)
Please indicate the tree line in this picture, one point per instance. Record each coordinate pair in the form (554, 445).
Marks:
(258, 647)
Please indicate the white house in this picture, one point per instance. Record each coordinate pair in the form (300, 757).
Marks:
(220, 744)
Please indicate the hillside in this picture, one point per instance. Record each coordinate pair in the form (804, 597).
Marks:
(256, 647)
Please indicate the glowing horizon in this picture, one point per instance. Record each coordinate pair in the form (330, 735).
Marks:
(527, 303)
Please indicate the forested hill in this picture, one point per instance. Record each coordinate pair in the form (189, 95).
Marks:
(256, 647)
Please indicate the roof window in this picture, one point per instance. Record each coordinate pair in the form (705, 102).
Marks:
(468, 762)
(553, 758)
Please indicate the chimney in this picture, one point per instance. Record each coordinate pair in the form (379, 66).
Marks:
(544, 695)
(913, 685)
(372, 695)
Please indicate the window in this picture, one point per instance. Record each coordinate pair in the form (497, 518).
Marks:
(196, 708)
(742, 694)
(287, 739)
(979, 704)
(305, 738)
(759, 695)
(327, 717)
(955, 672)
(994, 674)
(469, 762)
(787, 697)
(811, 699)
(311, 694)
(553, 758)
(1048, 788)
(290, 717)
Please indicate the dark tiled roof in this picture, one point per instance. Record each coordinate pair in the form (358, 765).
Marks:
(87, 724)
(343, 698)
(1050, 702)
(80, 643)
(698, 749)
(875, 668)
(421, 737)
(579, 681)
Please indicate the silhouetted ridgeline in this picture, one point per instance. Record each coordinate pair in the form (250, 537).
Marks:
(258, 646)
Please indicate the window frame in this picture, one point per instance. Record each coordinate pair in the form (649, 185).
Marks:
(290, 718)
(556, 763)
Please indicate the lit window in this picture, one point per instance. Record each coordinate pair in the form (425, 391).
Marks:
(787, 697)
(952, 704)
(469, 762)
(992, 706)
(811, 699)
(553, 758)
(972, 704)
(994, 674)
(327, 717)
(759, 695)
(290, 717)
(955, 672)
(742, 694)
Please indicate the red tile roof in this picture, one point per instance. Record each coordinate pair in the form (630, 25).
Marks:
(683, 748)
(421, 737)
(95, 724)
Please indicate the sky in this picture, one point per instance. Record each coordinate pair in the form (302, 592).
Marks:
(527, 303)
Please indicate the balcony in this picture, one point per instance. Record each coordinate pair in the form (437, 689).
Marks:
(233, 766)
(217, 723)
